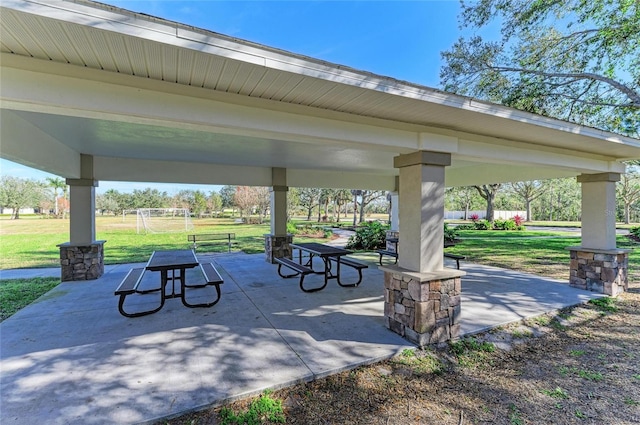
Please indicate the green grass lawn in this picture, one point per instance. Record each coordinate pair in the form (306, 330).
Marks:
(18, 293)
(31, 242)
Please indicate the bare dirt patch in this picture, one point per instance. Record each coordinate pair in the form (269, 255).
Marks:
(580, 365)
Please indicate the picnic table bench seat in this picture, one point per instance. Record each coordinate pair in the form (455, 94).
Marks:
(298, 269)
(207, 276)
(200, 277)
(131, 285)
(351, 263)
(211, 239)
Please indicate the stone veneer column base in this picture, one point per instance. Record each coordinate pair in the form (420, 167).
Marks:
(424, 308)
(599, 270)
(277, 247)
(81, 262)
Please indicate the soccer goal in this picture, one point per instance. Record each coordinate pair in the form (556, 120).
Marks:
(163, 220)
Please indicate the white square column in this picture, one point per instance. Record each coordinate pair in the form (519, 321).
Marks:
(82, 258)
(279, 201)
(82, 200)
(421, 210)
(277, 243)
(599, 210)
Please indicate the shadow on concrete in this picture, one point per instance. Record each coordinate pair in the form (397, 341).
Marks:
(72, 358)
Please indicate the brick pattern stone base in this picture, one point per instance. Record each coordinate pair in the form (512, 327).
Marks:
(604, 272)
(81, 262)
(277, 247)
(424, 312)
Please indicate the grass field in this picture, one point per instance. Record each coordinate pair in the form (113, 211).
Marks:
(32, 241)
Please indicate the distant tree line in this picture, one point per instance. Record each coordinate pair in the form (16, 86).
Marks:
(543, 200)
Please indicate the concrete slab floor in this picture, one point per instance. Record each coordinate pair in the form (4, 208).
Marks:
(72, 358)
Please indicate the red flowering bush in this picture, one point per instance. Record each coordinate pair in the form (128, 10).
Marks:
(518, 220)
(474, 217)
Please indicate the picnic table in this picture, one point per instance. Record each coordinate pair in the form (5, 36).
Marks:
(328, 254)
(173, 266)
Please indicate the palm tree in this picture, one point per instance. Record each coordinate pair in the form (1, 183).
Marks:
(57, 183)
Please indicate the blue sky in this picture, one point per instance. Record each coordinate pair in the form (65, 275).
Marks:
(398, 39)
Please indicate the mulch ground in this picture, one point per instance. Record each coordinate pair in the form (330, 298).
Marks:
(577, 366)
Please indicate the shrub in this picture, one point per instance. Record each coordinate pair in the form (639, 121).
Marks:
(482, 225)
(450, 233)
(518, 220)
(467, 226)
(368, 236)
(504, 225)
(291, 228)
(474, 217)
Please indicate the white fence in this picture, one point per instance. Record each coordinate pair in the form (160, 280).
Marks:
(498, 214)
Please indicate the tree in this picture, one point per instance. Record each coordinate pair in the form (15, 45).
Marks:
(17, 193)
(245, 199)
(462, 198)
(355, 193)
(198, 204)
(293, 200)
(323, 201)
(571, 59)
(488, 193)
(109, 202)
(57, 183)
(228, 195)
(214, 202)
(340, 197)
(562, 201)
(150, 198)
(252, 198)
(366, 198)
(309, 199)
(629, 192)
(263, 201)
(529, 191)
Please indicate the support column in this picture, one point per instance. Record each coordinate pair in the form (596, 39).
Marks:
(422, 298)
(82, 258)
(421, 210)
(392, 235)
(394, 223)
(597, 265)
(277, 243)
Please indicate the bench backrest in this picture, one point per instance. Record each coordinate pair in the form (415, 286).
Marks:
(211, 236)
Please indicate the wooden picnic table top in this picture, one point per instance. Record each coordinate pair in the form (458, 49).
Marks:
(320, 249)
(172, 259)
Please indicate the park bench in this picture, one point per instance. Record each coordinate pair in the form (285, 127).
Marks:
(383, 252)
(394, 254)
(389, 251)
(455, 257)
(211, 239)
